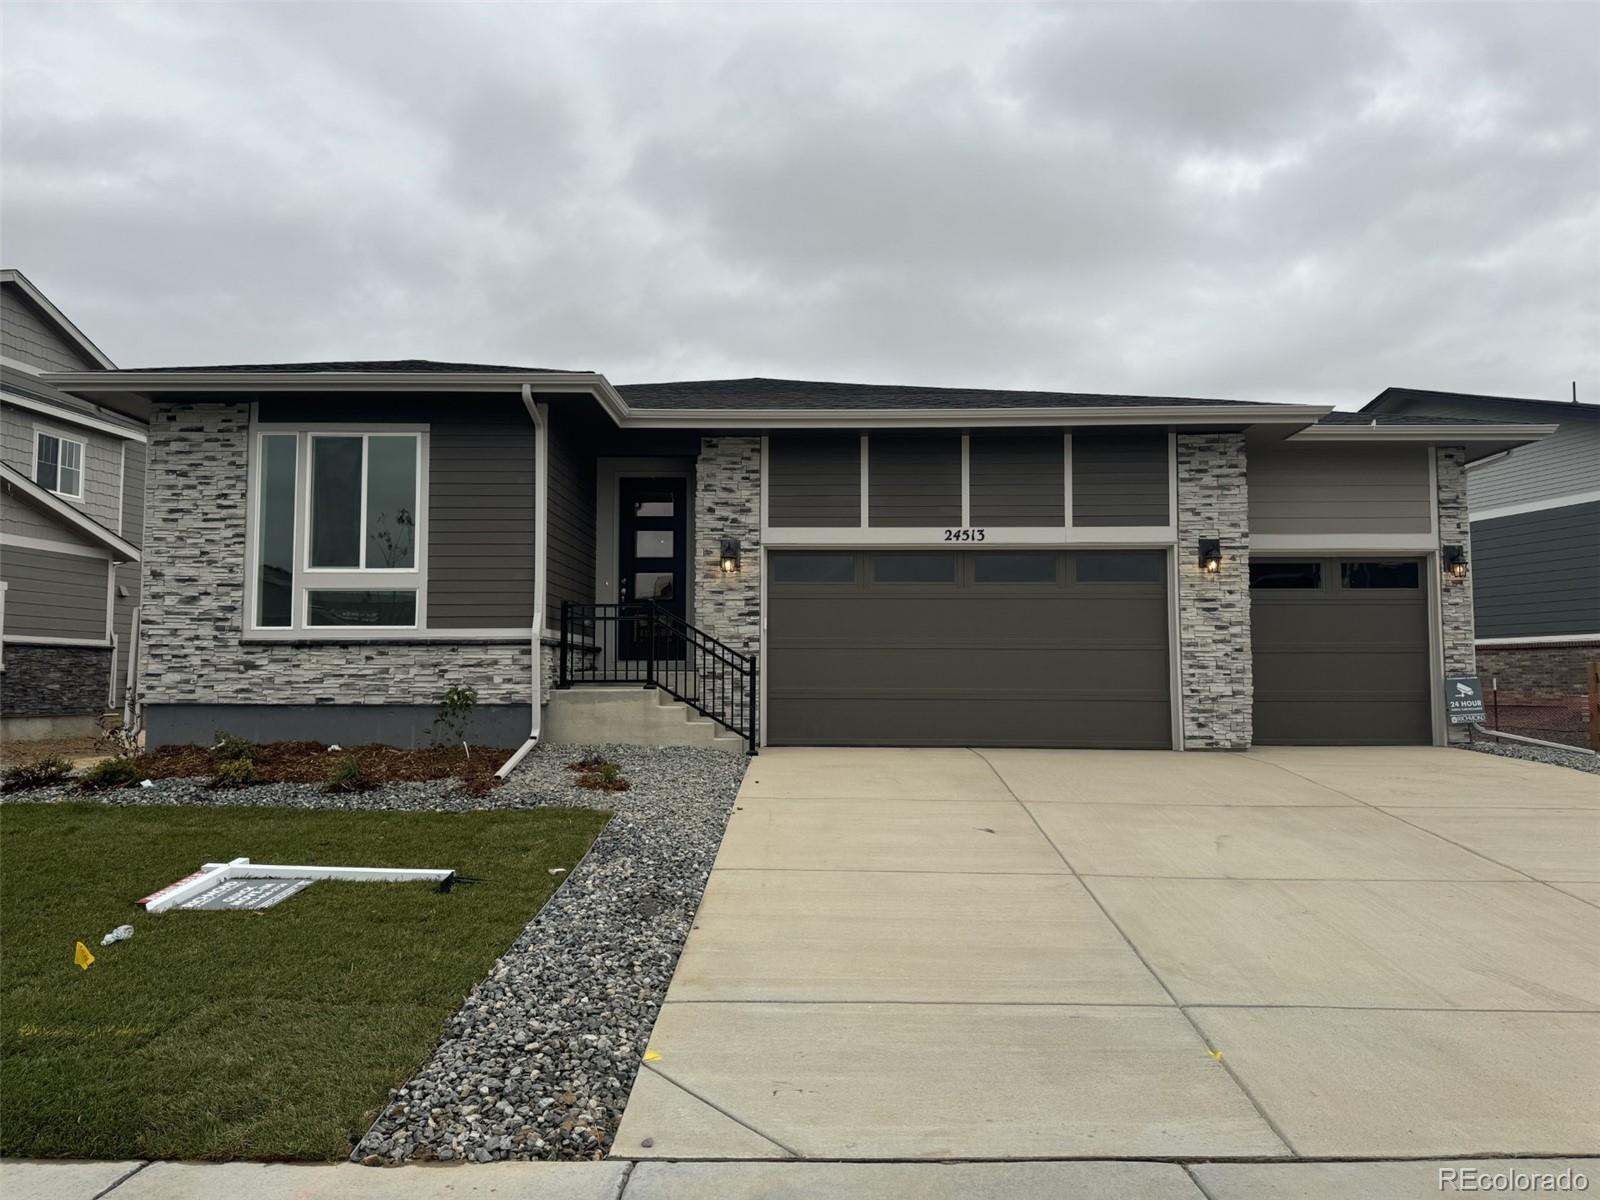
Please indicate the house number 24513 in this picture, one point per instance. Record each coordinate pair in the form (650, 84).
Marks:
(963, 535)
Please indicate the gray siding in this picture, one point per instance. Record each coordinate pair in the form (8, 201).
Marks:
(914, 481)
(133, 464)
(1339, 489)
(570, 546)
(1018, 480)
(1566, 462)
(102, 458)
(814, 480)
(480, 521)
(53, 595)
(1537, 574)
(1120, 479)
(28, 336)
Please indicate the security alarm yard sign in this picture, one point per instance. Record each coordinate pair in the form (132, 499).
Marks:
(1463, 700)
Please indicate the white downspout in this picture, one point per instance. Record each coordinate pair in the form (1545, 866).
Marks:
(541, 508)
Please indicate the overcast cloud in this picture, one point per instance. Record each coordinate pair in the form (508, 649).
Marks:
(1267, 202)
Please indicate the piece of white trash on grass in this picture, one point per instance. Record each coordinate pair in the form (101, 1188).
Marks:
(558, 870)
(120, 934)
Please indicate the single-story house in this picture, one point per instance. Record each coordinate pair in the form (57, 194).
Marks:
(330, 546)
(71, 520)
(1535, 514)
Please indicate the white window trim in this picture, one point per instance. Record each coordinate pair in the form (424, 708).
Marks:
(83, 462)
(307, 578)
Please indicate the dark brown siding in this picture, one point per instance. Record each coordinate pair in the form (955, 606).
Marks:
(1119, 479)
(480, 520)
(814, 480)
(914, 481)
(1340, 489)
(1018, 480)
(569, 548)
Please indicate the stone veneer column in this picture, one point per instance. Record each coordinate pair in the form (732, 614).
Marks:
(193, 597)
(1455, 595)
(1214, 610)
(727, 503)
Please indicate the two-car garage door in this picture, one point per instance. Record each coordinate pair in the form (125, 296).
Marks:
(968, 648)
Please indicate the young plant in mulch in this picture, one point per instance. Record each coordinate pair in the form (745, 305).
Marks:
(234, 773)
(230, 748)
(455, 714)
(344, 775)
(599, 774)
(40, 772)
(110, 773)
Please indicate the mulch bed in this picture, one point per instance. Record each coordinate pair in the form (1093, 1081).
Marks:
(308, 762)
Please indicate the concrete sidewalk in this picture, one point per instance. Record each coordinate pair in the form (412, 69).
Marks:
(791, 1181)
(1014, 954)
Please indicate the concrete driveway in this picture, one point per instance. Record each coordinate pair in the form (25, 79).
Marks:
(1320, 953)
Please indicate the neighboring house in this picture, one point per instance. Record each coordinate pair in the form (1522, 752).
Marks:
(1536, 529)
(332, 545)
(71, 519)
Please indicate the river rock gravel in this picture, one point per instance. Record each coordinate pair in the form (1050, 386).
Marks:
(1575, 759)
(538, 1061)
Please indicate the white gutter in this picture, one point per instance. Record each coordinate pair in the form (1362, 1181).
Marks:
(541, 508)
(1529, 741)
(1421, 433)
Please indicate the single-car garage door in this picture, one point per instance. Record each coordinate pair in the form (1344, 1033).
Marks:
(968, 648)
(1340, 649)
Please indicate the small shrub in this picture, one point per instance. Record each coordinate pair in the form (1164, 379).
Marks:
(344, 775)
(455, 713)
(120, 741)
(110, 773)
(606, 777)
(235, 772)
(40, 772)
(229, 748)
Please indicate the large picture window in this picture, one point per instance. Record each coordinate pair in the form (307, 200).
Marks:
(58, 465)
(339, 529)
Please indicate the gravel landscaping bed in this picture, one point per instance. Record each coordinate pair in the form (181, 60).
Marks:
(539, 1060)
(1561, 758)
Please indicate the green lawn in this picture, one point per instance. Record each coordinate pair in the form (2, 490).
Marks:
(217, 1035)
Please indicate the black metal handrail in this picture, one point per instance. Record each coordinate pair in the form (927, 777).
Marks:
(644, 644)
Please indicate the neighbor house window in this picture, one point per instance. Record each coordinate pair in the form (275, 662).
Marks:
(58, 465)
(339, 529)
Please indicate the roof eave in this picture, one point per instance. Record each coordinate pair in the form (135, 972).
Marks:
(140, 385)
(120, 549)
(1479, 440)
(72, 333)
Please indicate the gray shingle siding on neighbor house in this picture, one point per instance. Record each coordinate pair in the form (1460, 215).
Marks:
(102, 458)
(1018, 480)
(27, 336)
(913, 481)
(814, 480)
(1120, 479)
(1351, 489)
(1538, 574)
(54, 595)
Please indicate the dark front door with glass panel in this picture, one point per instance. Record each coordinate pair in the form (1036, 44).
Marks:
(653, 559)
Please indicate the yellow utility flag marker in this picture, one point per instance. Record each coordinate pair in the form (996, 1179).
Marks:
(651, 1056)
(1216, 1054)
(82, 957)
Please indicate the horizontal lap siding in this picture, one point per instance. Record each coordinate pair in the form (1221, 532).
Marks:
(1340, 489)
(28, 336)
(814, 481)
(1537, 574)
(480, 520)
(1018, 480)
(1120, 479)
(914, 481)
(570, 546)
(54, 595)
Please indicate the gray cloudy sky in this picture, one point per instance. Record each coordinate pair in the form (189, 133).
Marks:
(1268, 202)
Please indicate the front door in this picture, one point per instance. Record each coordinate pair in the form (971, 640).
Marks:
(652, 553)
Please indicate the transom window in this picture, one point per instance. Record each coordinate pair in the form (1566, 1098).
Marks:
(340, 529)
(58, 465)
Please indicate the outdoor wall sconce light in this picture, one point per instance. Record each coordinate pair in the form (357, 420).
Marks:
(730, 555)
(1455, 561)
(1211, 555)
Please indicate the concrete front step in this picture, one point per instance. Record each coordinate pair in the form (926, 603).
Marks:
(630, 716)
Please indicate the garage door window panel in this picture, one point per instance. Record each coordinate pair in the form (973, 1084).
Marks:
(914, 568)
(1379, 576)
(1118, 566)
(803, 568)
(1284, 575)
(1026, 567)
